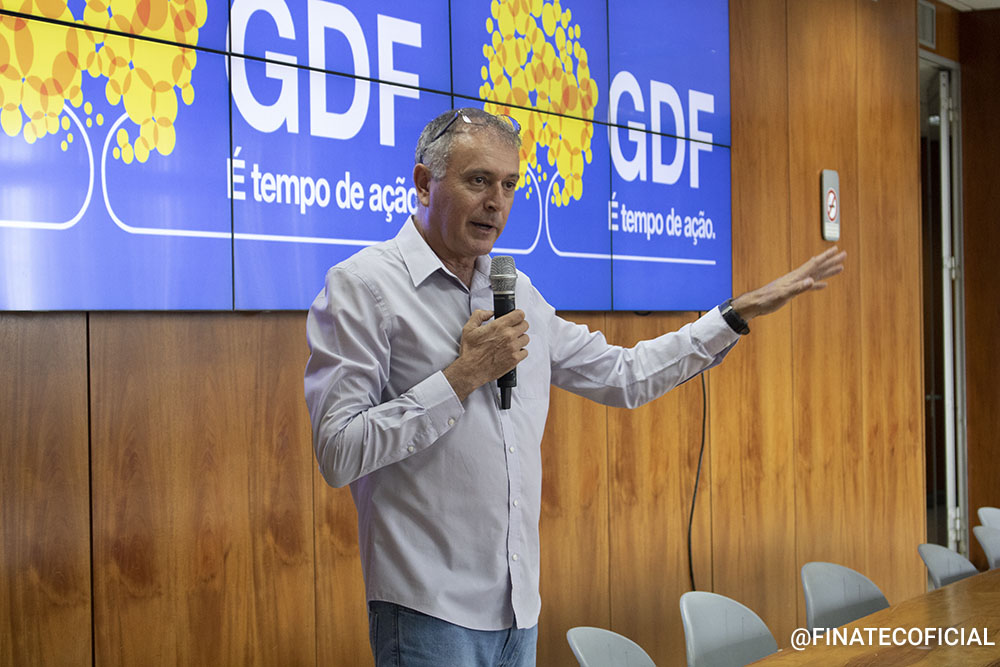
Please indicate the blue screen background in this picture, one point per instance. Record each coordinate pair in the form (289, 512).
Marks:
(292, 148)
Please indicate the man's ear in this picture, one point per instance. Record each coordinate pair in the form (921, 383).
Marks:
(422, 182)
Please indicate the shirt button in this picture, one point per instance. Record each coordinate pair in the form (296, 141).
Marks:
(411, 449)
(451, 421)
(515, 503)
(510, 449)
(514, 557)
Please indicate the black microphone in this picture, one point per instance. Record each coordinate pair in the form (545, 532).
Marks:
(503, 276)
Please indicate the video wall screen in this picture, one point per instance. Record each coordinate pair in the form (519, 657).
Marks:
(214, 155)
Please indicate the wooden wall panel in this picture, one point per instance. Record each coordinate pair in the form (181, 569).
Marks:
(215, 540)
(980, 61)
(44, 490)
(341, 609)
(753, 491)
(826, 365)
(653, 454)
(946, 31)
(574, 582)
(889, 264)
(203, 542)
(276, 428)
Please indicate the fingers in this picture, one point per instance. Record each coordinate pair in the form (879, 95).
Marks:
(824, 265)
(829, 252)
(831, 260)
(475, 321)
(811, 275)
(514, 321)
(832, 271)
(487, 350)
(479, 316)
(495, 346)
(513, 317)
(516, 326)
(512, 328)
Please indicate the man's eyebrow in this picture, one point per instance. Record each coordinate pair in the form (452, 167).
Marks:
(483, 171)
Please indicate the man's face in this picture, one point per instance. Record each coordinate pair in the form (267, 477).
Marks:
(468, 208)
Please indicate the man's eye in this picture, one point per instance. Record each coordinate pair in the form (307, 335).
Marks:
(510, 185)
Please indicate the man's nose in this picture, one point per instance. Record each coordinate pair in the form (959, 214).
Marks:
(494, 197)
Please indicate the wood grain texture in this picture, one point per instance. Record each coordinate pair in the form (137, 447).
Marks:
(280, 490)
(752, 398)
(946, 31)
(217, 542)
(341, 609)
(44, 490)
(826, 361)
(574, 582)
(203, 544)
(889, 264)
(653, 455)
(981, 191)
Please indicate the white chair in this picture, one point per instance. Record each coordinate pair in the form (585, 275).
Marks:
(944, 565)
(721, 632)
(597, 647)
(989, 540)
(990, 516)
(837, 595)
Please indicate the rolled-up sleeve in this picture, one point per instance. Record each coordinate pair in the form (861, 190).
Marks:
(356, 429)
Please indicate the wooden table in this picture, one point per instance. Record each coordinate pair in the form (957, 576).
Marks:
(969, 604)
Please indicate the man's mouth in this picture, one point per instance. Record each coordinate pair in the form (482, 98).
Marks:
(481, 225)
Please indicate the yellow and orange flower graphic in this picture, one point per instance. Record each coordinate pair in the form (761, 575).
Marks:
(42, 66)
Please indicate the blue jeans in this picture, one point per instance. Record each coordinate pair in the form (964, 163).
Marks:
(403, 637)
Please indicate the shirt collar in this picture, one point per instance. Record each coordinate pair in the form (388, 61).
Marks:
(420, 259)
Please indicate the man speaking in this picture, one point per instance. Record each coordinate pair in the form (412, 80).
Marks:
(402, 392)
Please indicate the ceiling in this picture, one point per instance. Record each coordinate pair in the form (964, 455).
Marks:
(966, 5)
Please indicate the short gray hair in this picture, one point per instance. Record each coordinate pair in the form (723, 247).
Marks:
(435, 151)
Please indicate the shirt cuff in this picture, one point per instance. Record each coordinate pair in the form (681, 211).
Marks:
(713, 332)
(442, 404)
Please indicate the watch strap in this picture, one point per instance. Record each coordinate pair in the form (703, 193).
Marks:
(733, 318)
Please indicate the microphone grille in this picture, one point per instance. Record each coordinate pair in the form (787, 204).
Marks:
(503, 275)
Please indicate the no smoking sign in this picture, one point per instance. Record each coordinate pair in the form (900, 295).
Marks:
(830, 204)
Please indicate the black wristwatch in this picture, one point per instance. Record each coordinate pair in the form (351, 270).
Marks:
(733, 319)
